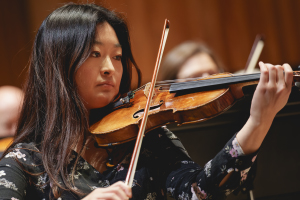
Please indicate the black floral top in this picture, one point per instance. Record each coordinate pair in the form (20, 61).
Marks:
(164, 169)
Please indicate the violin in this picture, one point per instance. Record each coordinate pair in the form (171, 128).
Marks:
(177, 101)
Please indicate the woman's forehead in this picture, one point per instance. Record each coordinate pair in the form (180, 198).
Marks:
(105, 34)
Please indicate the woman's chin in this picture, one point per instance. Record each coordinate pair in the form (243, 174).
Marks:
(102, 103)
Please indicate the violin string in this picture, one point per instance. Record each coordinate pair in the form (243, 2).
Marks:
(168, 82)
(165, 85)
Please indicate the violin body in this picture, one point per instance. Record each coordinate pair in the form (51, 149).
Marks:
(122, 125)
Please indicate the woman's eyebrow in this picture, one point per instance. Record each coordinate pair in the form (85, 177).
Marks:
(101, 43)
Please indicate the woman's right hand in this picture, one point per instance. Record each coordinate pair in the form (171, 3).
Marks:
(117, 191)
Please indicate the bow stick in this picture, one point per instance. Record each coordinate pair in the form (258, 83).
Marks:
(138, 143)
(257, 47)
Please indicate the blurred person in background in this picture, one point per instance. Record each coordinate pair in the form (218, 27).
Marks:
(189, 59)
(10, 105)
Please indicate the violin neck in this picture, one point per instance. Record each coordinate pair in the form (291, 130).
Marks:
(208, 84)
(217, 83)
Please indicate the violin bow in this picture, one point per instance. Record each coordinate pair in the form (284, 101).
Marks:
(139, 140)
(256, 50)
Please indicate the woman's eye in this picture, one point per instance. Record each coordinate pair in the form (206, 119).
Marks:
(118, 57)
(95, 54)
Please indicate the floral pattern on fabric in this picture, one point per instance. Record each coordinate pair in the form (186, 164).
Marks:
(8, 184)
(16, 154)
(164, 169)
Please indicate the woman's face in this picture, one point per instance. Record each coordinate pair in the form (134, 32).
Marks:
(98, 79)
(199, 65)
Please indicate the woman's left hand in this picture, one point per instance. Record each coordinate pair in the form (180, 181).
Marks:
(270, 96)
(272, 91)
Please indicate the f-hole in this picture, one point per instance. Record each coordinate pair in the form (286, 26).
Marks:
(139, 113)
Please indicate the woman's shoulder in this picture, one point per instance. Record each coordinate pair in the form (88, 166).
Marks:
(22, 148)
(21, 170)
(25, 154)
(27, 146)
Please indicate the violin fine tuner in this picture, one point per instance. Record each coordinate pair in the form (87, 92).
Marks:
(122, 102)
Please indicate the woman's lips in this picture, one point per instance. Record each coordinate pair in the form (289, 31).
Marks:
(106, 84)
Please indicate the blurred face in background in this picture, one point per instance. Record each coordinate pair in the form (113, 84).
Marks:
(199, 65)
(10, 106)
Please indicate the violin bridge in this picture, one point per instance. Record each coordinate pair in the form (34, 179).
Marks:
(147, 90)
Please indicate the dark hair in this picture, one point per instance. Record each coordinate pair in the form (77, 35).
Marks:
(53, 114)
(180, 54)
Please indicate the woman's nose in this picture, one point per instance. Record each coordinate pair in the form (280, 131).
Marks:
(107, 68)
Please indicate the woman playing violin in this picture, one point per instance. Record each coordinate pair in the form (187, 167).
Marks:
(81, 61)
